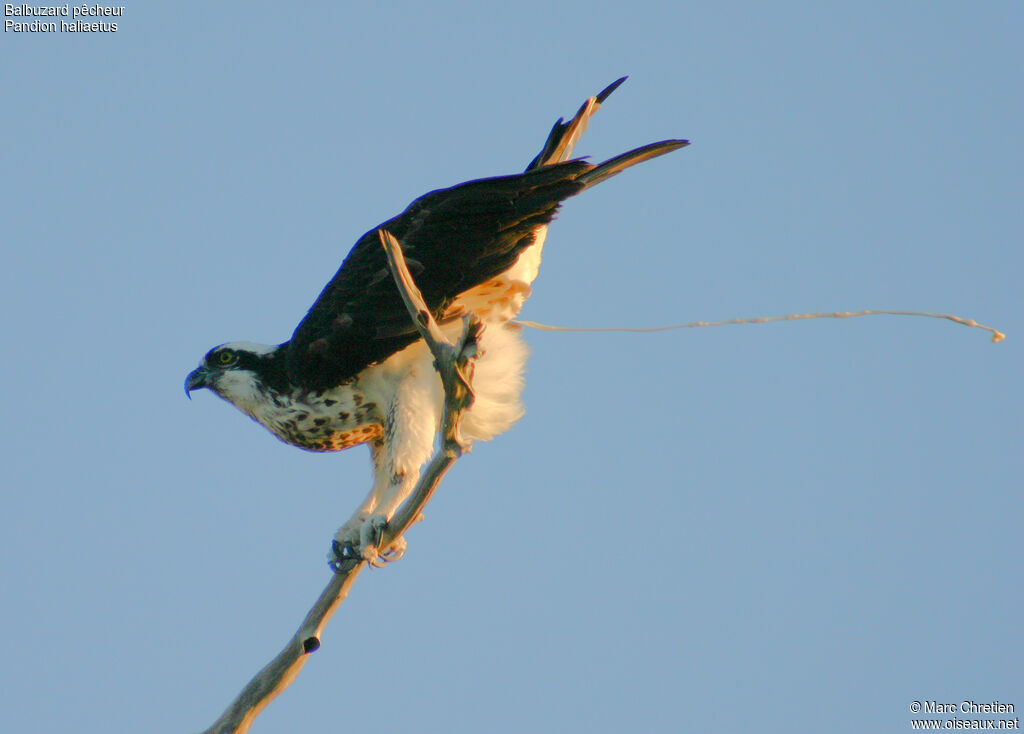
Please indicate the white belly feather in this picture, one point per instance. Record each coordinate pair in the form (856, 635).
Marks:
(498, 371)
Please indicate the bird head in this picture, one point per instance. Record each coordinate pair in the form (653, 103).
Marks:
(239, 372)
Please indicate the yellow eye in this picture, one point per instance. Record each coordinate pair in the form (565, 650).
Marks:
(226, 357)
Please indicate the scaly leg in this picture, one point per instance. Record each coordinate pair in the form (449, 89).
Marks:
(349, 538)
(409, 430)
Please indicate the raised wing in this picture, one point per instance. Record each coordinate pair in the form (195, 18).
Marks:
(453, 239)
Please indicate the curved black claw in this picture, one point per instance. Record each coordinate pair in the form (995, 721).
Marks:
(343, 557)
(346, 555)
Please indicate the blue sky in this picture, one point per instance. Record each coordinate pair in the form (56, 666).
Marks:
(797, 527)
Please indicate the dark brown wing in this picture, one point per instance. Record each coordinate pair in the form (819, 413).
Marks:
(453, 239)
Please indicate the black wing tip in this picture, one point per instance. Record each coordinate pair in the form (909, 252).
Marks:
(606, 92)
(666, 145)
(620, 163)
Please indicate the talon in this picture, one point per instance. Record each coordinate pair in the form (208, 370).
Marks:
(364, 544)
(395, 551)
(341, 555)
(373, 558)
(373, 531)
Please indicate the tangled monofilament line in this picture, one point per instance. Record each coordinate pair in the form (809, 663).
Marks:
(997, 336)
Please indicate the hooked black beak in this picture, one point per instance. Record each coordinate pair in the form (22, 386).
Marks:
(195, 380)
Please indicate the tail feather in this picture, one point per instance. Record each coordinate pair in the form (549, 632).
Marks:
(564, 135)
(621, 162)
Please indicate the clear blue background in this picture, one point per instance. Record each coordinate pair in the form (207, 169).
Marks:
(794, 527)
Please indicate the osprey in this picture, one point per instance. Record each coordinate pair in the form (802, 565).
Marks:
(355, 370)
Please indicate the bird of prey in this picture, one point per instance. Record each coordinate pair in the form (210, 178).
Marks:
(355, 370)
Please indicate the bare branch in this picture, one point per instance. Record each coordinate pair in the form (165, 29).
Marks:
(279, 673)
(452, 362)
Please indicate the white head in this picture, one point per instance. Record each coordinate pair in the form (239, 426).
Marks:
(243, 373)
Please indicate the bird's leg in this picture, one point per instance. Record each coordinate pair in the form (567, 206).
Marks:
(348, 540)
(360, 537)
(367, 546)
(397, 491)
(411, 422)
(394, 481)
